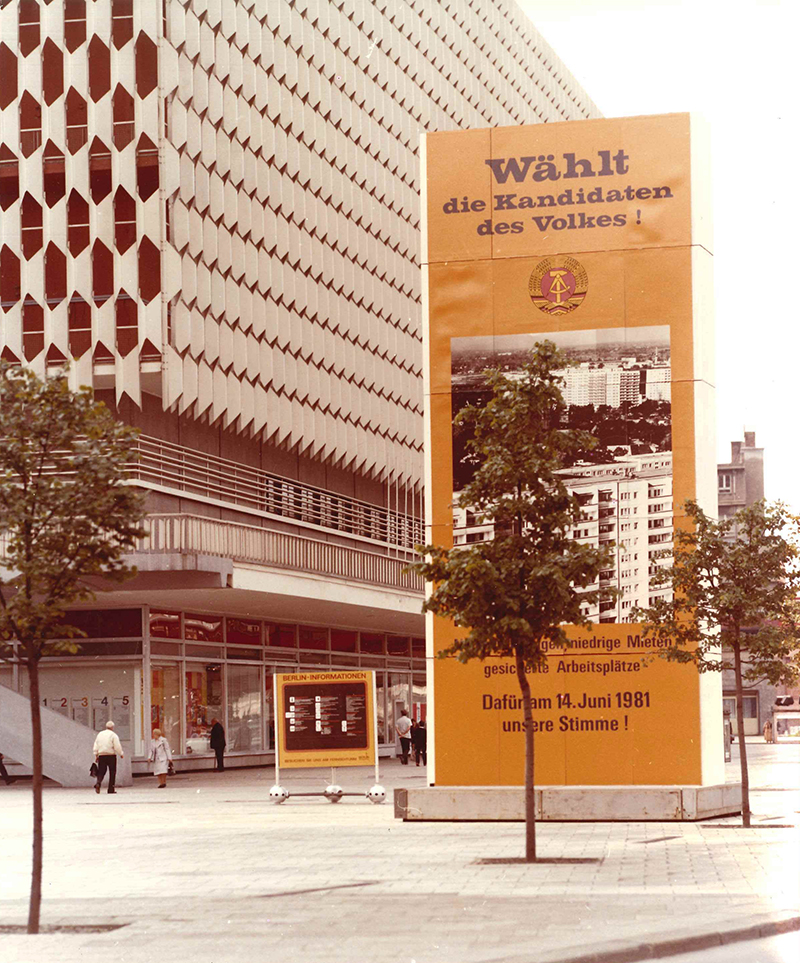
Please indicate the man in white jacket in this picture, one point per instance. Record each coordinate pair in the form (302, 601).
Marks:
(106, 749)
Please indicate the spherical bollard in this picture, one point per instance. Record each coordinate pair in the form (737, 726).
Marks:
(333, 793)
(376, 794)
(278, 794)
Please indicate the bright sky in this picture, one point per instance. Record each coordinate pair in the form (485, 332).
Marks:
(737, 62)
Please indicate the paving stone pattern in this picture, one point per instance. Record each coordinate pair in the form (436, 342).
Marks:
(211, 870)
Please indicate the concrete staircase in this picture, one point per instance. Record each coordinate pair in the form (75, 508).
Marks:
(66, 744)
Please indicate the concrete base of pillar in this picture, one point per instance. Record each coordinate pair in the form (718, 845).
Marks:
(569, 803)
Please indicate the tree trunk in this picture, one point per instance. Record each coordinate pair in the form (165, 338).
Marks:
(737, 668)
(35, 904)
(530, 798)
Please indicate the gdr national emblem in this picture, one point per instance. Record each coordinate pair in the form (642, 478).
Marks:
(558, 285)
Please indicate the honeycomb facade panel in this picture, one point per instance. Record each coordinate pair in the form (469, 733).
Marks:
(249, 169)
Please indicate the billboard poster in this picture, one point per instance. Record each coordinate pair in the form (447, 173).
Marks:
(591, 235)
(325, 719)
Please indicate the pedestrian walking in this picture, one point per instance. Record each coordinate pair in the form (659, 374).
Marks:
(419, 737)
(4, 772)
(161, 757)
(217, 740)
(106, 749)
(403, 728)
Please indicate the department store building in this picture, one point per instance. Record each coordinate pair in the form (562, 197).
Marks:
(211, 208)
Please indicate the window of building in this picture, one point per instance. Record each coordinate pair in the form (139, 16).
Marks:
(9, 177)
(80, 326)
(102, 273)
(245, 718)
(242, 632)
(281, 636)
(10, 282)
(397, 645)
(29, 34)
(123, 117)
(165, 703)
(124, 220)
(99, 69)
(126, 323)
(55, 275)
(30, 124)
(55, 184)
(373, 643)
(165, 625)
(32, 328)
(344, 641)
(203, 703)
(77, 119)
(725, 481)
(74, 24)
(312, 637)
(52, 72)
(202, 628)
(121, 22)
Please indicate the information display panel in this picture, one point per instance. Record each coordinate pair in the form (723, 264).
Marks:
(594, 235)
(325, 719)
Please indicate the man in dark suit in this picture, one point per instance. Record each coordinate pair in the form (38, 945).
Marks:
(217, 740)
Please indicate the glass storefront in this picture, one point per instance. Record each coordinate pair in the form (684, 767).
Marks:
(177, 671)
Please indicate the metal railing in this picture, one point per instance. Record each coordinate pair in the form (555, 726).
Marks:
(183, 469)
(194, 534)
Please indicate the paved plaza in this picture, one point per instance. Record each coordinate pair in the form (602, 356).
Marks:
(211, 870)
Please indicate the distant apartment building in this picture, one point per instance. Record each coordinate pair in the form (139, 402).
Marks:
(615, 384)
(212, 209)
(740, 483)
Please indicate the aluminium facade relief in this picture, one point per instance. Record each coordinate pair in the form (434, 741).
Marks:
(217, 201)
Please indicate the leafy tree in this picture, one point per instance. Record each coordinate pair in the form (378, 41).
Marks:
(65, 514)
(733, 606)
(515, 592)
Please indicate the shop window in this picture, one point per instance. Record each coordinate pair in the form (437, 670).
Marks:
(203, 704)
(10, 289)
(165, 625)
(245, 716)
(282, 637)
(242, 632)
(99, 170)
(121, 22)
(146, 65)
(80, 326)
(373, 643)
(202, 628)
(146, 167)
(123, 117)
(77, 223)
(30, 124)
(99, 69)
(77, 120)
(32, 328)
(55, 184)
(107, 623)
(8, 71)
(29, 34)
(127, 324)
(55, 275)
(313, 638)
(124, 220)
(52, 72)
(342, 641)
(74, 24)
(418, 648)
(102, 273)
(165, 703)
(397, 645)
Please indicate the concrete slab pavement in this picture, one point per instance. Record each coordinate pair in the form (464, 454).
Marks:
(211, 869)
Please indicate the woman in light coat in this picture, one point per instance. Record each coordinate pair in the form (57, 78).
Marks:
(161, 757)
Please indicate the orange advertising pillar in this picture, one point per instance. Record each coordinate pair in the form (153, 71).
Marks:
(596, 235)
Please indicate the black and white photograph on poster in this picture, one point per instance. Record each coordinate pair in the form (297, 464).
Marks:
(618, 388)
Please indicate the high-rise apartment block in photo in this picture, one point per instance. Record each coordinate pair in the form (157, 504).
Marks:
(211, 209)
